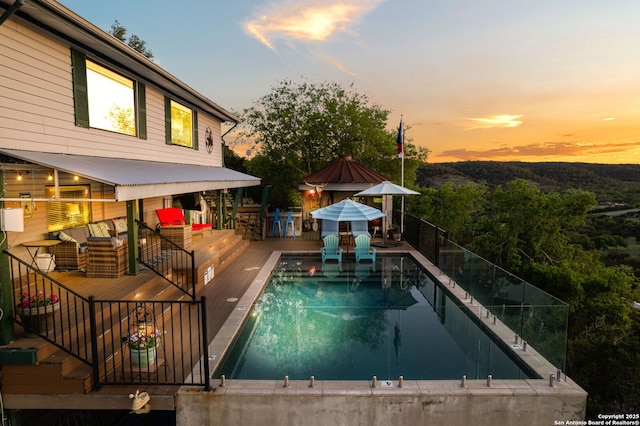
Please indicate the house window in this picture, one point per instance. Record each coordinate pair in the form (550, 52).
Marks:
(111, 100)
(107, 100)
(68, 214)
(181, 124)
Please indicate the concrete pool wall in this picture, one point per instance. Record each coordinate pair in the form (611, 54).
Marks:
(331, 403)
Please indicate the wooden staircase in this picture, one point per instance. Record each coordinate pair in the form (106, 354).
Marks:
(34, 366)
(52, 371)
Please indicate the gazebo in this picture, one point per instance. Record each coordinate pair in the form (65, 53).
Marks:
(335, 182)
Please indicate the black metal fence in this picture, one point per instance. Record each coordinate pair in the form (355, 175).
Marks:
(123, 341)
(167, 259)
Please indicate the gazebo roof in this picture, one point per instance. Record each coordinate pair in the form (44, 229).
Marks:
(344, 171)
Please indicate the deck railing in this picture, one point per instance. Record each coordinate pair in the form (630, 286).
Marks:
(99, 332)
(534, 315)
(167, 259)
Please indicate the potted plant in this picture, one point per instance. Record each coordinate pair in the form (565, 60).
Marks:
(143, 346)
(35, 310)
(394, 232)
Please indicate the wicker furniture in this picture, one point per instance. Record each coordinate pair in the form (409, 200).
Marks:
(105, 260)
(173, 226)
(71, 253)
(178, 234)
(71, 256)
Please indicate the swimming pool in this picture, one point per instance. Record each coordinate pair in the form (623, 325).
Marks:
(353, 321)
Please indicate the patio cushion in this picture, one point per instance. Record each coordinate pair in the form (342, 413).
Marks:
(79, 234)
(120, 224)
(173, 216)
(64, 237)
(170, 216)
(100, 229)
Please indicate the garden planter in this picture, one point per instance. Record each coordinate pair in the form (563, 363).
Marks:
(38, 321)
(145, 357)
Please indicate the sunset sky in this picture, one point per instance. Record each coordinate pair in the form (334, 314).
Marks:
(544, 80)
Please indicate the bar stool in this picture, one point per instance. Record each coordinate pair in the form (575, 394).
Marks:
(286, 225)
(276, 222)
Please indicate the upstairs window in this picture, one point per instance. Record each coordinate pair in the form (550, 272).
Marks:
(181, 125)
(111, 100)
(107, 100)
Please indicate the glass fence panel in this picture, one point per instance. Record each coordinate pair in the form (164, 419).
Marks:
(508, 289)
(534, 315)
(546, 324)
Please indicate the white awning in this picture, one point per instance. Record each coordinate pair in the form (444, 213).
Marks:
(139, 179)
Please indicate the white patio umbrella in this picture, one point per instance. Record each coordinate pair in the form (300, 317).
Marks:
(347, 210)
(386, 188)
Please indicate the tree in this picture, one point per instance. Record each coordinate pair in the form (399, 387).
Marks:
(299, 128)
(525, 225)
(533, 234)
(450, 207)
(135, 42)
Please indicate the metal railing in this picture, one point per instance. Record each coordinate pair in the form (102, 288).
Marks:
(167, 259)
(532, 314)
(100, 333)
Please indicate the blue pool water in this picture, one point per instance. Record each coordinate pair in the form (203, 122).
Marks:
(350, 322)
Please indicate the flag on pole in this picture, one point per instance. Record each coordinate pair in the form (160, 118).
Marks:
(400, 140)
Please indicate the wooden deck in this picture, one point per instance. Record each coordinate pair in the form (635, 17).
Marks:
(233, 275)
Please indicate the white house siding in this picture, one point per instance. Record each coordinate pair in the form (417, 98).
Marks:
(180, 154)
(37, 114)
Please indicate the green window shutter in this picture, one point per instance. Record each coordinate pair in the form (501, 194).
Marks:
(80, 95)
(195, 129)
(167, 120)
(142, 111)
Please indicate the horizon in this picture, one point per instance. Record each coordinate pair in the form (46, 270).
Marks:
(536, 162)
(497, 81)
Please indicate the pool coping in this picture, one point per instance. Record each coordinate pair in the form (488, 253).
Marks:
(549, 383)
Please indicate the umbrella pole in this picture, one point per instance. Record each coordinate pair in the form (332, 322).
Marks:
(385, 230)
(348, 236)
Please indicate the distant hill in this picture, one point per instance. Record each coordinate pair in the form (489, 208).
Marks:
(610, 182)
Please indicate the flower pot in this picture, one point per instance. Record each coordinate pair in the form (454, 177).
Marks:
(37, 321)
(143, 357)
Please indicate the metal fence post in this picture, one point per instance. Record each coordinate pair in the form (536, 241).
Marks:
(94, 342)
(205, 344)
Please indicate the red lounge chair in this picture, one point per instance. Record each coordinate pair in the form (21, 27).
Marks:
(174, 216)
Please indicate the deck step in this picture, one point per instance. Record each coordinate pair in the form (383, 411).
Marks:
(55, 373)
(34, 366)
(232, 248)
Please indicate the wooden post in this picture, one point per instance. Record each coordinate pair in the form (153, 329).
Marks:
(132, 237)
(6, 289)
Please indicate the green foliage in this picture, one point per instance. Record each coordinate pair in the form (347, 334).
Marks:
(525, 225)
(299, 128)
(233, 160)
(610, 182)
(451, 208)
(536, 235)
(135, 42)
